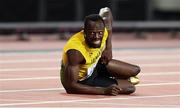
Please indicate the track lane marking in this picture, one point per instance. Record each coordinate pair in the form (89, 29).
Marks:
(59, 89)
(57, 77)
(90, 100)
(58, 52)
(160, 57)
(57, 68)
(128, 104)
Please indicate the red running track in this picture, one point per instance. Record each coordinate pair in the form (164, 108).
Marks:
(29, 75)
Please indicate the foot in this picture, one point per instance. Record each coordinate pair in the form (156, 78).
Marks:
(134, 80)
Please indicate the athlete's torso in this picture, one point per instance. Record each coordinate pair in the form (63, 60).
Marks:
(91, 55)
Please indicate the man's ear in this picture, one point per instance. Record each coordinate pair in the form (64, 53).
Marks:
(84, 34)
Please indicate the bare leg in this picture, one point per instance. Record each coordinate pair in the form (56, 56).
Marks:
(125, 86)
(121, 69)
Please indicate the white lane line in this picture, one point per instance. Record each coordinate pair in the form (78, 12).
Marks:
(31, 53)
(159, 73)
(28, 61)
(33, 78)
(90, 100)
(160, 57)
(126, 104)
(159, 84)
(161, 60)
(5, 100)
(56, 68)
(147, 57)
(57, 77)
(160, 65)
(164, 59)
(57, 52)
(31, 90)
(30, 69)
(60, 89)
(115, 54)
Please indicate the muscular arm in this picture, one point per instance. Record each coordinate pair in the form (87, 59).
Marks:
(70, 78)
(108, 19)
(70, 81)
(106, 14)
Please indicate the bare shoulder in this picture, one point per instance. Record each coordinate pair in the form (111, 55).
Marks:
(75, 57)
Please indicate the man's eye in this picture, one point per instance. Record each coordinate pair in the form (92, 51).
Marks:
(100, 33)
(93, 33)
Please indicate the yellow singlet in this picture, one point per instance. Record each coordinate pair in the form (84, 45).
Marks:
(91, 55)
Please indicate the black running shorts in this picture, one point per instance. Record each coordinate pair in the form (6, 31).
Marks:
(100, 77)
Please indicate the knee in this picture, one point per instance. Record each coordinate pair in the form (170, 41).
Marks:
(136, 70)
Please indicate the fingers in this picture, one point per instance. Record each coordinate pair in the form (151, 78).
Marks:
(114, 93)
(115, 90)
(103, 11)
(112, 90)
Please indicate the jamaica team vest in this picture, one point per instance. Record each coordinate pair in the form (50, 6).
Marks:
(91, 55)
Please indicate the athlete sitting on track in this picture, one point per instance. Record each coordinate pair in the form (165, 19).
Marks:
(87, 65)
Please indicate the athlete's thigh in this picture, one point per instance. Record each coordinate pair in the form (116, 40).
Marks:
(122, 69)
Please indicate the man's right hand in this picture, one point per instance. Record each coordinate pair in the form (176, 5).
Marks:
(112, 90)
(106, 14)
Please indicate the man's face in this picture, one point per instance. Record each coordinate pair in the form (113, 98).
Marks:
(94, 32)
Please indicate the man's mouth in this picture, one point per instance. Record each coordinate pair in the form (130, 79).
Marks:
(97, 42)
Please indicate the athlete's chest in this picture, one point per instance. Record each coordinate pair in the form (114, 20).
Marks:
(94, 55)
